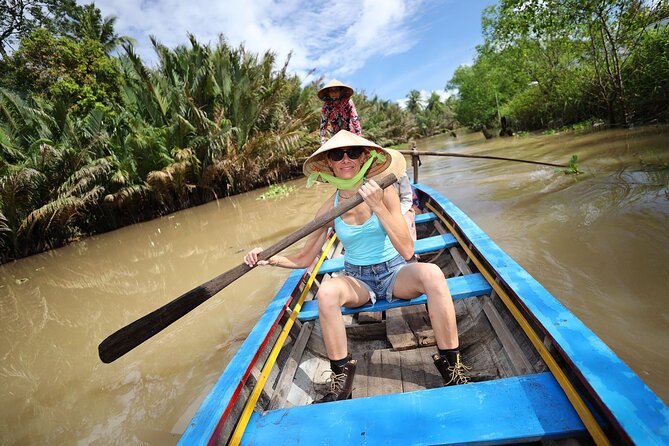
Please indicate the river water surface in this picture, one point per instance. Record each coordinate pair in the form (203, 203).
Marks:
(598, 241)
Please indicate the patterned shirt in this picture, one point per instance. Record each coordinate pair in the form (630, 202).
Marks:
(339, 114)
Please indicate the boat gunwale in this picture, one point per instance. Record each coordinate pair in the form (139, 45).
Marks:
(201, 426)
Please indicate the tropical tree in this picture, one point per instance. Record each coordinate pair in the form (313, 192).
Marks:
(413, 103)
(88, 23)
(208, 121)
(385, 122)
(19, 18)
(78, 75)
(47, 192)
(647, 75)
(592, 41)
(243, 121)
(433, 118)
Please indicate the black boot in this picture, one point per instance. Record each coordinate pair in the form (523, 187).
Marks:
(340, 382)
(454, 371)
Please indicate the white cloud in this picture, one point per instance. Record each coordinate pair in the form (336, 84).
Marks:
(335, 37)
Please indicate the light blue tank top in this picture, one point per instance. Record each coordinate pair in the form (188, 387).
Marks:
(365, 244)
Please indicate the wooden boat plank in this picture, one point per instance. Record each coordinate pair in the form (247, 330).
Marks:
(375, 374)
(288, 373)
(312, 380)
(642, 415)
(413, 374)
(409, 327)
(461, 287)
(267, 391)
(487, 368)
(369, 317)
(518, 409)
(361, 376)
(301, 390)
(420, 324)
(399, 334)
(206, 422)
(376, 331)
(319, 380)
(429, 244)
(392, 372)
(518, 359)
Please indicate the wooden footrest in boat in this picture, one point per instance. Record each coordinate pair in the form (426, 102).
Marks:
(511, 410)
(421, 246)
(460, 287)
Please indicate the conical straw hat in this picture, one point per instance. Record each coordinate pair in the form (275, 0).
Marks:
(394, 163)
(323, 94)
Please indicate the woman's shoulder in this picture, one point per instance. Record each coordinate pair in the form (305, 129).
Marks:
(391, 195)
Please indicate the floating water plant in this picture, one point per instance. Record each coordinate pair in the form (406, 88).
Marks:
(573, 166)
(275, 191)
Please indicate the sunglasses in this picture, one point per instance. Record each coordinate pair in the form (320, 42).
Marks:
(338, 154)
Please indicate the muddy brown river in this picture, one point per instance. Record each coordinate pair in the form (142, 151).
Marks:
(598, 241)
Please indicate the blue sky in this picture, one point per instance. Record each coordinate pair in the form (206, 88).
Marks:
(384, 47)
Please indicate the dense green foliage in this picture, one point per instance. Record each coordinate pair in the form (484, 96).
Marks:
(207, 122)
(19, 18)
(90, 142)
(555, 63)
(77, 75)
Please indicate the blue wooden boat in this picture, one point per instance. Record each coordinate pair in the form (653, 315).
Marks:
(540, 374)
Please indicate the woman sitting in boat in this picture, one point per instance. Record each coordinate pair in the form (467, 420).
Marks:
(377, 248)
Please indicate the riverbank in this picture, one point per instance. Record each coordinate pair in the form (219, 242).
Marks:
(139, 212)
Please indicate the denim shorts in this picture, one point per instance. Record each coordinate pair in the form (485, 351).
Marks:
(379, 279)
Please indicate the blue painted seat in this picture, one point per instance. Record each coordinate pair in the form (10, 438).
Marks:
(422, 246)
(511, 410)
(424, 218)
(460, 287)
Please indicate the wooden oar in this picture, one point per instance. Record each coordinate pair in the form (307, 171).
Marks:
(489, 157)
(130, 336)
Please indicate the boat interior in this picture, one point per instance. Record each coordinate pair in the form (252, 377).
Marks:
(396, 378)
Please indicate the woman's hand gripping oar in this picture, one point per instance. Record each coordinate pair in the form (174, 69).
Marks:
(130, 336)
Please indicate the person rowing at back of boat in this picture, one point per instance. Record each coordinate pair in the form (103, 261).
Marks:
(377, 246)
(338, 113)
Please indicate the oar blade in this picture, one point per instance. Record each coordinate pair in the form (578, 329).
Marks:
(135, 333)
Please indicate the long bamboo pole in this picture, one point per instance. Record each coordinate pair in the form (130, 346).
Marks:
(489, 157)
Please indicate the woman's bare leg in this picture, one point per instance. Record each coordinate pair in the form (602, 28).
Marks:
(415, 279)
(333, 294)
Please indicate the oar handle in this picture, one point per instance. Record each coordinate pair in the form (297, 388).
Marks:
(133, 334)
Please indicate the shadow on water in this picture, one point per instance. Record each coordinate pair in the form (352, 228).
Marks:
(598, 242)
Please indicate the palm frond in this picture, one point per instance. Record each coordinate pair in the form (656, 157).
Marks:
(130, 193)
(80, 182)
(57, 215)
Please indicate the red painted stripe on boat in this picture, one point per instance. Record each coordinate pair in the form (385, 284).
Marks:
(238, 389)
